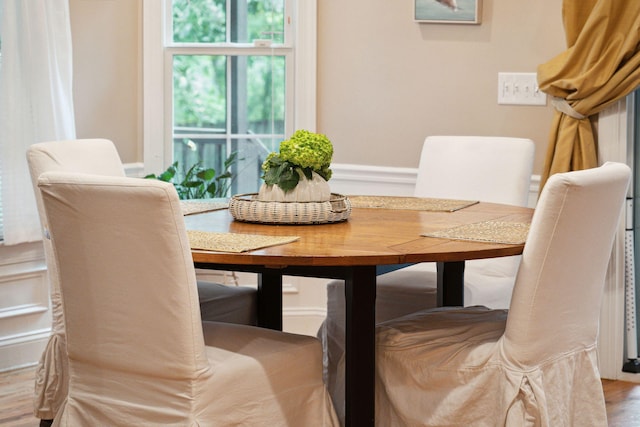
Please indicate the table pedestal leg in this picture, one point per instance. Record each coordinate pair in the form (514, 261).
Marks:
(450, 283)
(360, 296)
(270, 300)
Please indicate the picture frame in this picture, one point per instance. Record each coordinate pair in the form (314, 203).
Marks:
(448, 11)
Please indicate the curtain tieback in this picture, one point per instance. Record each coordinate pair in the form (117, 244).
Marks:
(563, 106)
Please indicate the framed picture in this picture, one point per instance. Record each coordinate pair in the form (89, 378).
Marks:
(448, 11)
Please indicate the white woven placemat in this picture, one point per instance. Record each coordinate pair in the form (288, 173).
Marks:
(201, 205)
(410, 203)
(234, 242)
(511, 233)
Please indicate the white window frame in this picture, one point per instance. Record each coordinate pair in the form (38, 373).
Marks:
(157, 85)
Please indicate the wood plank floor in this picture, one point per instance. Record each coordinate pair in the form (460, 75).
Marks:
(623, 403)
(16, 394)
(16, 389)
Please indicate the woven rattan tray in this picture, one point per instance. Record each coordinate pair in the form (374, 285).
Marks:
(247, 208)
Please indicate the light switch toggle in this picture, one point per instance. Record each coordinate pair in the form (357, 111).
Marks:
(520, 89)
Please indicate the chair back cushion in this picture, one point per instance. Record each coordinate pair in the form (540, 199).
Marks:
(95, 156)
(92, 156)
(485, 168)
(127, 277)
(557, 296)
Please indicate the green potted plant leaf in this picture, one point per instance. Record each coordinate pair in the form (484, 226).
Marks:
(199, 182)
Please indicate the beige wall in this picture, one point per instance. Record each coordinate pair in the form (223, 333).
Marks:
(384, 82)
(107, 69)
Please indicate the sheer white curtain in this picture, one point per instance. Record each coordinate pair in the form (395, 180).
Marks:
(36, 101)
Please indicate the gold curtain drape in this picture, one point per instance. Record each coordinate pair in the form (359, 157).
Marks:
(600, 66)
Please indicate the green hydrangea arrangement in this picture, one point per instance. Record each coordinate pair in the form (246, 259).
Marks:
(305, 152)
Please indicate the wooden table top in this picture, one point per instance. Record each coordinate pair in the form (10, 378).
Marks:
(368, 237)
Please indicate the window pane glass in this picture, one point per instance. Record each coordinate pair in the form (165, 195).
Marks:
(257, 19)
(252, 152)
(199, 111)
(205, 21)
(199, 91)
(258, 92)
(201, 21)
(256, 99)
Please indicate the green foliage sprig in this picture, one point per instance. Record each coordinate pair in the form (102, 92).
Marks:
(305, 152)
(199, 182)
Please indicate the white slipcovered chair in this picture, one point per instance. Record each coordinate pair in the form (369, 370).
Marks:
(99, 156)
(488, 169)
(138, 352)
(484, 168)
(534, 364)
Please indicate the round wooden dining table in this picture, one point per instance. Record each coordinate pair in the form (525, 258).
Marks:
(354, 250)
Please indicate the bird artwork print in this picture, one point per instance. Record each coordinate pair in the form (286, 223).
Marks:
(451, 4)
(448, 11)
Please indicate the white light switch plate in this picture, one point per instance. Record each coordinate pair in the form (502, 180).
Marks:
(519, 89)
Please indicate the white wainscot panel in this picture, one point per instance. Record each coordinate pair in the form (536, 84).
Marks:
(372, 180)
(25, 315)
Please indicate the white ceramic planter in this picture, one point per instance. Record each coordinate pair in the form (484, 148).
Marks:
(315, 189)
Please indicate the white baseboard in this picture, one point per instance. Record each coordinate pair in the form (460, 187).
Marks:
(534, 190)
(22, 351)
(135, 170)
(25, 312)
(303, 320)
